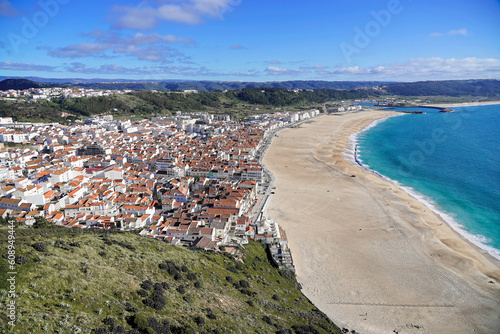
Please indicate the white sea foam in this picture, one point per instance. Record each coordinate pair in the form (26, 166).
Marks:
(476, 239)
(351, 155)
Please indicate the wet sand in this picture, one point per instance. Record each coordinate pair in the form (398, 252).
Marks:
(369, 255)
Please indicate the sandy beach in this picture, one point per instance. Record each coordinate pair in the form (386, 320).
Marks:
(370, 256)
(464, 104)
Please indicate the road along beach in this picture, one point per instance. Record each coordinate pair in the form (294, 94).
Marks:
(369, 255)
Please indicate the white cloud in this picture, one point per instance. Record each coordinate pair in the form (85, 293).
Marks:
(11, 66)
(238, 47)
(424, 68)
(6, 9)
(153, 72)
(274, 70)
(315, 67)
(247, 74)
(461, 32)
(152, 47)
(181, 11)
(436, 34)
(77, 67)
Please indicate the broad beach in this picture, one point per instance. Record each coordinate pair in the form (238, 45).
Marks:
(369, 255)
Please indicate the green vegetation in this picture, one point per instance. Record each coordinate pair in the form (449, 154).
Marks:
(282, 97)
(197, 85)
(241, 102)
(470, 88)
(21, 84)
(296, 84)
(238, 103)
(104, 282)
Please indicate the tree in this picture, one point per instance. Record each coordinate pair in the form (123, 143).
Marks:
(41, 222)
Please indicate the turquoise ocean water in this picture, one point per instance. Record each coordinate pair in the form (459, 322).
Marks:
(450, 161)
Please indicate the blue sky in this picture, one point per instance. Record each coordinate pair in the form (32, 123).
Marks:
(251, 40)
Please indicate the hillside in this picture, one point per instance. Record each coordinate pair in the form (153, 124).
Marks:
(296, 84)
(474, 88)
(203, 85)
(122, 283)
(237, 103)
(20, 84)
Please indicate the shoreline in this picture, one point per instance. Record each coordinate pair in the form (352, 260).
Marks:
(462, 104)
(362, 246)
(491, 253)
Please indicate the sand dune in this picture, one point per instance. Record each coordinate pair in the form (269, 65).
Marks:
(370, 256)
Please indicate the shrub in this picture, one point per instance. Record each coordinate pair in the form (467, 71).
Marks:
(157, 326)
(170, 267)
(139, 321)
(130, 308)
(109, 321)
(288, 274)
(244, 284)
(304, 329)
(158, 287)
(40, 246)
(247, 292)
(267, 320)
(232, 269)
(142, 293)
(21, 259)
(229, 279)
(147, 285)
(210, 314)
(284, 331)
(165, 285)
(191, 276)
(156, 301)
(197, 285)
(200, 321)
(276, 297)
(181, 289)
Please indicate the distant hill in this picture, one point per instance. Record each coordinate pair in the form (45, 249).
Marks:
(74, 281)
(20, 84)
(203, 85)
(487, 88)
(296, 84)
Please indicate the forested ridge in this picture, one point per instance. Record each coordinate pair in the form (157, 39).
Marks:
(146, 103)
(236, 102)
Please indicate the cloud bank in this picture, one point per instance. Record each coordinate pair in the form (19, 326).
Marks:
(181, 11)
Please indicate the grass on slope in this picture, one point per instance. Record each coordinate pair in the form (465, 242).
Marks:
(123, 283)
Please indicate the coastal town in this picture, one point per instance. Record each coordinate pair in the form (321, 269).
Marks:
(190, 180)
(38, 94)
